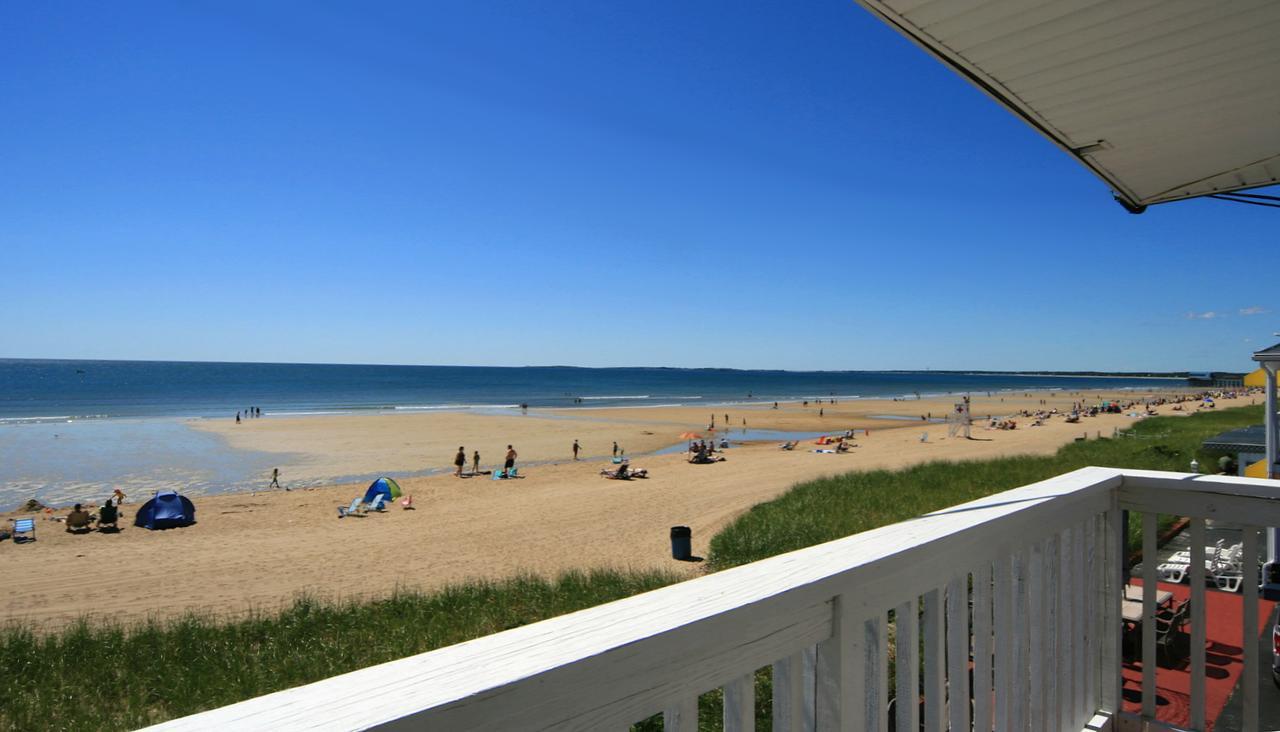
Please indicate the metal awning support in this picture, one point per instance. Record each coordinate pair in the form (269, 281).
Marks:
(1252, 199)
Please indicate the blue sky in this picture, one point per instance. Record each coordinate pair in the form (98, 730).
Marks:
(739, 184)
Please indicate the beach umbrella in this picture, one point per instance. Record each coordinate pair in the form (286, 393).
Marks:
(690, 436)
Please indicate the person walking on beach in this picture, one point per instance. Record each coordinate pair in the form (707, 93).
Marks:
(511, 459)
(475, 463)
(237, 418)
(615, 448)
(275, 478)
(575, 449)
(459, 460)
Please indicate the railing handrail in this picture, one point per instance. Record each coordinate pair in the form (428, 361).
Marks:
(616, 663)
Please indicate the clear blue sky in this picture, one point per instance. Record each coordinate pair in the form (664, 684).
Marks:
(741, 184)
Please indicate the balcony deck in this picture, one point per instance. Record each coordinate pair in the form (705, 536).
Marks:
(1012, 603)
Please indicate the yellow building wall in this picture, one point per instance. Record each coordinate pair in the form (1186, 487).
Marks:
(1256, 470)
(1257, 378)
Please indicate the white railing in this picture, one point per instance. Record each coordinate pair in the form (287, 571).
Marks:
(1011, 603)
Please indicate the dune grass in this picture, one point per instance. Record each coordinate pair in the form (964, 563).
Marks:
(112, 677)
(94, 676)
(831, 508)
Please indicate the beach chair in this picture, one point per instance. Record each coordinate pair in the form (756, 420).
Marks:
(23, 526)
(355, 509)
(1225, 570)
(499, 474)
(407, 503)
(512, 473)
(108, 516)
(379, 503)
(1169, 632)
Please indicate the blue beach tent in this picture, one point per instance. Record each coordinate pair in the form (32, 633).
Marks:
(385, 487)
(166, 510)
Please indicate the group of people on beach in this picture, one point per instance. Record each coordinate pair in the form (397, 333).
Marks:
(460, 461)
(80, 521)
(249, 413)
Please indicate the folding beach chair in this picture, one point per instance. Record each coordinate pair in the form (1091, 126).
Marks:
(352, 510)
(378, 504)
(108, 518)
(23, 526)
(407, 503)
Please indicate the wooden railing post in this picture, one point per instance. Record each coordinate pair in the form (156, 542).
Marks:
(1110, 599)
(740, 704)
(982, 592)
(1249, 676)
(788, 694)
(958, 653)
(839, 690)
(907, 666)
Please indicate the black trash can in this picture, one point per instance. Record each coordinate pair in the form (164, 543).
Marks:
(681, 542)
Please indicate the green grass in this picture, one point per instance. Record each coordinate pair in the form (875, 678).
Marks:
(831, 508)
(110, 677)
(93, 676)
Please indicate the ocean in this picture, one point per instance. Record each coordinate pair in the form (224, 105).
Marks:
(57, 391)
(73, 430)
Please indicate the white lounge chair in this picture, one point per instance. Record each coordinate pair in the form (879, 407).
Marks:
(1175, 572)
(1226, 571)
(355, 509)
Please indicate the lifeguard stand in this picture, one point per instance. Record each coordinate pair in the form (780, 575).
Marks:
(959, 420)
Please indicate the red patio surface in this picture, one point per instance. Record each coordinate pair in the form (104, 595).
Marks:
(1224, 658)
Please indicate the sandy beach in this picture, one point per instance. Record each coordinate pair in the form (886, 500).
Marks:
(259, 549)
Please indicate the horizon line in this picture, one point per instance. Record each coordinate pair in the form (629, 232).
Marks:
(1134, 373)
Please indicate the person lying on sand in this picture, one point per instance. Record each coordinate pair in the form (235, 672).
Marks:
(625, 472)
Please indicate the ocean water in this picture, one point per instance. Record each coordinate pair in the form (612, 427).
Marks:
(56, 391)
(73, 430)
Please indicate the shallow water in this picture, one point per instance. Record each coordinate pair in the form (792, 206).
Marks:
(64, 462)
(737, 437)
(60, 463)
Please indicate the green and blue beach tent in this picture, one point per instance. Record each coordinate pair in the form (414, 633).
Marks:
(386, 487)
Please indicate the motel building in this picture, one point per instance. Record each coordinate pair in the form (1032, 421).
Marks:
(1018, 611)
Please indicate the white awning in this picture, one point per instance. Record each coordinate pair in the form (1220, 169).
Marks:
(1162, 99)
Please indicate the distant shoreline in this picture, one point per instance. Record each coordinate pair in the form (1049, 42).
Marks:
(983, 372)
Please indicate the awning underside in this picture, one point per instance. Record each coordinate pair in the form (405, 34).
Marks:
(1164, 99)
